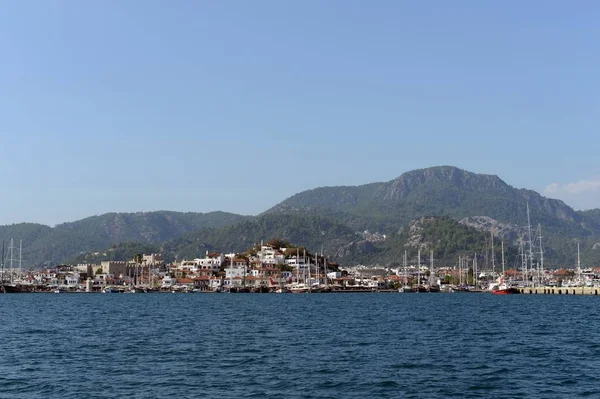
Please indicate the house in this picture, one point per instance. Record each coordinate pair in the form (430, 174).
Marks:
(202, 283)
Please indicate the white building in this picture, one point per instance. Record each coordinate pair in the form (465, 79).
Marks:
(211, 262)
(270, 256)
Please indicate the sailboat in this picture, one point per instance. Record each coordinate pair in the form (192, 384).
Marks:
(433, 286)
(10, 288)
(418, 287)
(405, 288)
(501, 287)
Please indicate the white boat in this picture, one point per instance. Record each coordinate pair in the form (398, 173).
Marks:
(299, 288)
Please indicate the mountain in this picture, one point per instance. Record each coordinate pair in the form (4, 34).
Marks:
(437, 191)
(591, 214)
(49, 245)
(358, 224)
(446, 237)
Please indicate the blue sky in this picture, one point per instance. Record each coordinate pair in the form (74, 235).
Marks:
(236, 105)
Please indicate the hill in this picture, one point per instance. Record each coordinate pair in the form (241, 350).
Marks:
(359, 224)
(437, 191)
(310, 231)
(43, 245)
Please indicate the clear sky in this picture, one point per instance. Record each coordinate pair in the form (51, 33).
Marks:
(235, 105)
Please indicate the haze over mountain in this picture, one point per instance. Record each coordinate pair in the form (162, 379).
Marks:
(366, 223)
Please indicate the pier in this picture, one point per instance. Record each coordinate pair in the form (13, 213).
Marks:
(560, 290)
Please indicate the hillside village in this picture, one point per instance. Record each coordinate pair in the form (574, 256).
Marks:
(273, 267)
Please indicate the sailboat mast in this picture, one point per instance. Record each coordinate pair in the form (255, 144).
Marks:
(12, 245)
(405, 271)
(431, 274)
(231, 273)
(578, 265)
(20, 258)
(493, 255)
(530, 242)
(523, 263)
(475, 270)
(325, 271)
(502, 258)
(541, 254)
(460, 270)
(419, 268)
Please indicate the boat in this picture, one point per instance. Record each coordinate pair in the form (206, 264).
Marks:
(13, 289)
(299, 288)
(434, 288)
(239, 290)
(502, 288)
(419, 288)
(405, 288)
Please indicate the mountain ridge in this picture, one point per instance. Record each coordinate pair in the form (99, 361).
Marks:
(383, 208)
(48, 245)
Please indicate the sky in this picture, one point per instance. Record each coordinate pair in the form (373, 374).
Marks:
(125, 106)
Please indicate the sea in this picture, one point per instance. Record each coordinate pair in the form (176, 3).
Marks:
(363, 345)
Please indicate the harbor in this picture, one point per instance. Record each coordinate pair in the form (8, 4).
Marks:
(280, 267)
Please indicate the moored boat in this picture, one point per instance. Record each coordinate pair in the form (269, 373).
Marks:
(13, 289)
(501, 288)
(298, 288)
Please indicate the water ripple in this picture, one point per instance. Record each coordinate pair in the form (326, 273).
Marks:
(297, 346)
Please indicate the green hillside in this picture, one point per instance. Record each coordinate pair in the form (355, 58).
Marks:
(44, 245)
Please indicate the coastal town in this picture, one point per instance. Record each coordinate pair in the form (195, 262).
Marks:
(274, 268)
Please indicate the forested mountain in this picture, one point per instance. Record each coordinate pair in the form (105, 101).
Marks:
(437, 191)
(49, 245)
(355, 224)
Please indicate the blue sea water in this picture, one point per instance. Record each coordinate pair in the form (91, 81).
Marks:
(299, 346)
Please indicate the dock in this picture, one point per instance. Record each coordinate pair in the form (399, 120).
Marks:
(560, 290)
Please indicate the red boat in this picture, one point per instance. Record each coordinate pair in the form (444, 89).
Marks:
(505, 291)
(502, 288)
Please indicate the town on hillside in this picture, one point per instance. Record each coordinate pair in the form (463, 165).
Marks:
(278, 266)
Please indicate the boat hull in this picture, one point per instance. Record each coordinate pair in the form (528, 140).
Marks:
(13, 289)
(506, 291)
